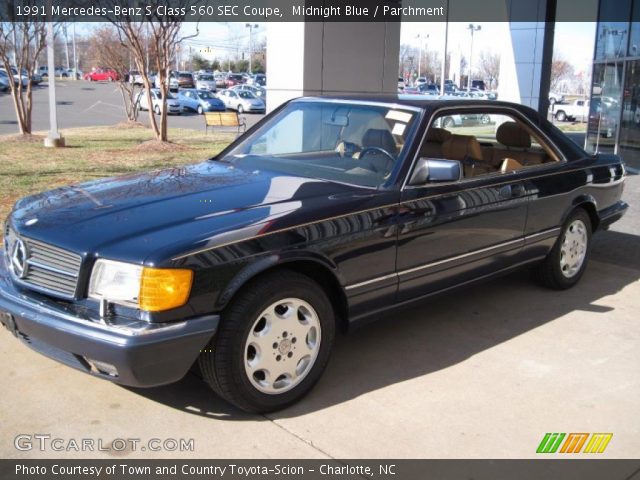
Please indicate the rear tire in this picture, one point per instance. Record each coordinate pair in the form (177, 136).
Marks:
(240, 109)
(157, 110)
(565, 264)
(561, 116)
(200, 111)
(273, 343)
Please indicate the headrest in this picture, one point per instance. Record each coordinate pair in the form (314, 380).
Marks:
(437, 135)
(380, 138)
(463, 147)
(510, 134)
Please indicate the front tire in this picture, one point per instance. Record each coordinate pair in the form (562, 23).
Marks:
(273, 343)
(567, 261)
(157, 109)
(561, 116)
(240, 109)
(200, 111)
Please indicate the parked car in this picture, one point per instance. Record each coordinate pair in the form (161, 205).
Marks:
(555, 98)
(257, 91)
(577, 111)
(173, 104)
(200, 101)
(242, 101)
(135, 77)
(221, 80)
(250, 262)
(16, 78)
(4, 83)
(429, 89)
(479, 84)
(401, 84)
(185, 80)
(420, 81)
(102, 74)
(206, 81)
(259, 80)
(234, 79)
(172, 79)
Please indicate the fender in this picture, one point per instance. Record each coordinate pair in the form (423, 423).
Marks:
(590, 204)
(275, 260)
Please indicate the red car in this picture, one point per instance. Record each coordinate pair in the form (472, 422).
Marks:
(102, 74)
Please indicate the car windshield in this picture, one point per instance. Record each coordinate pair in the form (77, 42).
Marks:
(245, 94)
(207, 78)
(352, 143)
(185, 75)
(205, 95)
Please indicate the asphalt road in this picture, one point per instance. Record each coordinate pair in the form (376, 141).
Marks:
(83, 104)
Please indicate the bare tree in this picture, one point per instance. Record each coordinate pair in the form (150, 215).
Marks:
(489, 67)
(560, 71)
(162, 35)
(21, 41)
(106, 49)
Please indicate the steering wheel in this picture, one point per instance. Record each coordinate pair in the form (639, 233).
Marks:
(390, 158)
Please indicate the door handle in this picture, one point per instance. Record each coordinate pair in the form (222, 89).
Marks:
(512, 191)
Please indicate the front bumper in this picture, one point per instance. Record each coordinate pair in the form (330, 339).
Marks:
(144, 354)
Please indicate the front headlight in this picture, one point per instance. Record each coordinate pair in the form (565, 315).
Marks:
(150, 289)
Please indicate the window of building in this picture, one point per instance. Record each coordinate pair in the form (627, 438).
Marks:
(613, 35)
(604, 112)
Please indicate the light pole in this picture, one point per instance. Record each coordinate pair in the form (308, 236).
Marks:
(251, 27)
(420, 43)
(472, 29)
(53, 139)
(444, 56)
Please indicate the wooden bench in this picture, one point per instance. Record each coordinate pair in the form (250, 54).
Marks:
(224, 119)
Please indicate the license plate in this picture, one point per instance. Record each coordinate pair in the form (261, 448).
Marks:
(9, 322)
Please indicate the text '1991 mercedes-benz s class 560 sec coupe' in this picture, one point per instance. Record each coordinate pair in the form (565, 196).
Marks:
(327, 212)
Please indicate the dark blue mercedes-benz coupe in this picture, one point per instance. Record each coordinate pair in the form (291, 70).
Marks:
(327, 212)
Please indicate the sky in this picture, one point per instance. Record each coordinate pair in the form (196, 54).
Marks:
(573, 41)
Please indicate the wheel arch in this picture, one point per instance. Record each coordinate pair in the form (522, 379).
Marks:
(316, 267)
(589, 204)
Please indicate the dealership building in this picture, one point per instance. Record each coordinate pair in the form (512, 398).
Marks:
(614, 120)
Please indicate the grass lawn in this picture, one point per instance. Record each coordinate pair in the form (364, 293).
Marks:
(28, 167)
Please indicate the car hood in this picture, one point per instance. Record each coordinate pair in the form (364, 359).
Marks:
(151, 217)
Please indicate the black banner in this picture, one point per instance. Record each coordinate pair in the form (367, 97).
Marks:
(301, 10)
(546, 469)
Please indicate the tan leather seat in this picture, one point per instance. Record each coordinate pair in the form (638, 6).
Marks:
(467, 149)
(441, 143)
(510, 165)
(516, 145)
(432, 146)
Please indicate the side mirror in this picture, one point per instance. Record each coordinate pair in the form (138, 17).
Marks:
(436, 170)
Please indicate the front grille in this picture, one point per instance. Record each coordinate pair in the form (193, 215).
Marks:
(51, 269)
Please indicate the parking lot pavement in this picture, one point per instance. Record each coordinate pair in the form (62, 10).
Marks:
(84, 104)
(482, 372)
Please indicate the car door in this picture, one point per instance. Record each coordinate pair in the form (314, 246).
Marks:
(232, 100)
(453, 232)
(188, 100)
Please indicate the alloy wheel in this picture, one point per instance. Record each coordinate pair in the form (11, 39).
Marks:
(282, 346)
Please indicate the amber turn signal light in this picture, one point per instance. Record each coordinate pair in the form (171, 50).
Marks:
(164, 288)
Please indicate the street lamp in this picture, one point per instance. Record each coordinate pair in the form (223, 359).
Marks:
(419, 37)
(472, 29)
(251, 27)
